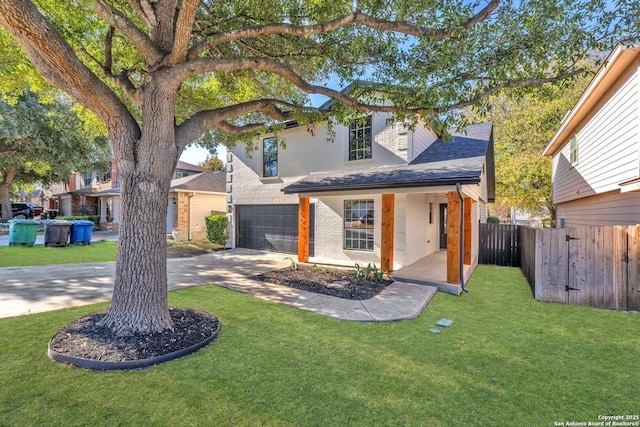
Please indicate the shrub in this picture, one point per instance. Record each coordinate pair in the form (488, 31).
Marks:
(94, 218)
(493, 220)
(217, 228)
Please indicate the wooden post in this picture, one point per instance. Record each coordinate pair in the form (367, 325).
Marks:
(467, 230)
(303, 229)
(386, 250)
(453, 237)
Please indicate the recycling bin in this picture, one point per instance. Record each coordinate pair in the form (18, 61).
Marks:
(56, 232)
(23, 232)
(81, 231)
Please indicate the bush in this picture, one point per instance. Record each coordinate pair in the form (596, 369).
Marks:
(217, 228)
(493, 220)
(94, 218)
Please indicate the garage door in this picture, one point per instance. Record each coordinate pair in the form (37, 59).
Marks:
(271, 228)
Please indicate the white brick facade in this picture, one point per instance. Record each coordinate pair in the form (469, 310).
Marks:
(310, 151)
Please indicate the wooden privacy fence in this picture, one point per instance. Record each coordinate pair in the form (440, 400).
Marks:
(499, 244)
(591, 266)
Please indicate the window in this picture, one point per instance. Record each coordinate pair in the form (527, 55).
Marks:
(360, 139)
(358, 225)
(106, 177)
(573, 150)
(269, 157)
(87, 176)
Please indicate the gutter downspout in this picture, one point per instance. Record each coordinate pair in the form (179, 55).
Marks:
(458, 189)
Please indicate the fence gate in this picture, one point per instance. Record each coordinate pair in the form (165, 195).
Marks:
(591, 266)
(499, 244)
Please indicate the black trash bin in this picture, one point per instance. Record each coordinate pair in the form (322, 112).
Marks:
(52, 213)
(56, 232)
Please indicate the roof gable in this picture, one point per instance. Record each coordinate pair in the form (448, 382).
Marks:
(607, 78)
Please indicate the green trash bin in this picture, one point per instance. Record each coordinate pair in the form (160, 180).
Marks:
(23, 232)
(56, 232)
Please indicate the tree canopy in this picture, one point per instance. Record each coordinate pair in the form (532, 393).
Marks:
(44, 142)
(524, 125)
(163, 73)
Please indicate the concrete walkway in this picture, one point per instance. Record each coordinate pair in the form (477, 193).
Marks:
(25, 290)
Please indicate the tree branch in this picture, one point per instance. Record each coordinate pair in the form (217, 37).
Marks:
(512, 84)
(108, 49)
(403, 27)
(205, 65)
(120, 80)
(139, 39)
(183, 28)
(203, 120)
(14, 147)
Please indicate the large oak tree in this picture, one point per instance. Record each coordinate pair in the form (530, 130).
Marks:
(161, 73)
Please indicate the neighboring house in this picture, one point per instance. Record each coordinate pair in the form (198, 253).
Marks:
(373, 193)
(195, 193)
(596, 150)
(193, 198)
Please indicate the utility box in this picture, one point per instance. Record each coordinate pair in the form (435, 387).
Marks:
(23, 232)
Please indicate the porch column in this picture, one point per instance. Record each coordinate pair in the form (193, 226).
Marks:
(453, 237)
(303, 229)
(386, 250)
(467, 230)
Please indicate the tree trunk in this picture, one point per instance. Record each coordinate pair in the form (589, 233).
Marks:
(5, 201)
(145, 168)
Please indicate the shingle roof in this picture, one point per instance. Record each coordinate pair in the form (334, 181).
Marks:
(442, 163)
(215, 182)
(189, 167)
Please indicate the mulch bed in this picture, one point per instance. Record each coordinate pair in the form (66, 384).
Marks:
(328, 281)
(84, 339)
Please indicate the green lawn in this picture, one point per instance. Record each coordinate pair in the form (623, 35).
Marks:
(506, 361)
(19, 256)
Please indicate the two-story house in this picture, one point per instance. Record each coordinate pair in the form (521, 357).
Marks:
(371, 192)
(596, 150)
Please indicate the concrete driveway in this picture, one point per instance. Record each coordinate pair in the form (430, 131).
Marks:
(25, 290)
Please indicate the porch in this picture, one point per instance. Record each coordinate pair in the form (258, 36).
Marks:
(432, 270)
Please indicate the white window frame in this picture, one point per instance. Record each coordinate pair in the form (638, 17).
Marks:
(360, 134)
(359, 225)
(573, 150)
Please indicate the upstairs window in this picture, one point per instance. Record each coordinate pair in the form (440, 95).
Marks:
(573, 150)
(87, 177)
(360, 139)
(269, 157)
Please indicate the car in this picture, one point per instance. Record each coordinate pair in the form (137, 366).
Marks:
(19, 210)
(37, 209)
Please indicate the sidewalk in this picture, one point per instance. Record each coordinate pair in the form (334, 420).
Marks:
(25, 290)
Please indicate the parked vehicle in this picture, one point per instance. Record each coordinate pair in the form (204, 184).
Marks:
(37, 209)
(20, 211)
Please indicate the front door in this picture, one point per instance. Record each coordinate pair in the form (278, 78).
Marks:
(443, 226)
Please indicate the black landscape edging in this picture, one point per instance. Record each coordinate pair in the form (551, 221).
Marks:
(99, 365)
